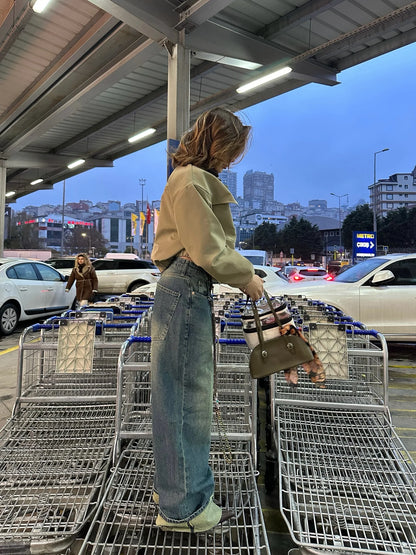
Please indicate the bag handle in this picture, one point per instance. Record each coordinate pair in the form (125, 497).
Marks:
(258, 323)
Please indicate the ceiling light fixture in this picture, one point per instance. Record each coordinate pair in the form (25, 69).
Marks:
(10, 194)
(39, 6)
(266, 79)
(36, 181)
(75, 164)
(142, 135)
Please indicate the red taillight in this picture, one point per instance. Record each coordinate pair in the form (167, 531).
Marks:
(329, 278)
(297, 277)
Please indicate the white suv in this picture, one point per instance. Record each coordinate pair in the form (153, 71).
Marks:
(122, 275)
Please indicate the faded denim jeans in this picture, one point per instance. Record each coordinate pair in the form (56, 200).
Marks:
(182, 390)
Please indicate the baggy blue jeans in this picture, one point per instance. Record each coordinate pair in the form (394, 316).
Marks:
(182, 390)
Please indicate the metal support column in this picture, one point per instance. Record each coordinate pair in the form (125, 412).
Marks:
(2, 202)
(178, 90)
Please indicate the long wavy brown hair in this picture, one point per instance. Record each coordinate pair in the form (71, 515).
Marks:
(217, 138)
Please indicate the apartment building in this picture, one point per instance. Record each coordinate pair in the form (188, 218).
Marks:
(398, 191)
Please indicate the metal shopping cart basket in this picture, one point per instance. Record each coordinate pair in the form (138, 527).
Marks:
(347, 484)
(126, 516)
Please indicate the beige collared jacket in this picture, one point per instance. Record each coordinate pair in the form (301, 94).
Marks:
(195, 217)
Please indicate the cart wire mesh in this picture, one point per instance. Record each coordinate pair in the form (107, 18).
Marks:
(347, 483)
(125, 522)
(53, 463)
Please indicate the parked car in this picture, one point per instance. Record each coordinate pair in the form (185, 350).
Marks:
(123, 275)
(308, 273)
(63, 265)
(290, 268)
(29, 289)
(269, 275)
(380, 292)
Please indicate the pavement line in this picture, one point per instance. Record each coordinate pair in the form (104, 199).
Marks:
(400, 366)
(9, 350)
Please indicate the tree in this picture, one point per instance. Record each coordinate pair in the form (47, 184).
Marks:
(23, 236)
(360, 219)
(80, 239)
(300, 235)
(265, 236)
(397, 228)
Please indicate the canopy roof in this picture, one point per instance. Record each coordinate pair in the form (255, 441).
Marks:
(82, 77)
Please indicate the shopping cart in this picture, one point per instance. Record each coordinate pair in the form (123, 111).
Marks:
(237, 397)
(70, 365)
(347, 483)
(125, 520)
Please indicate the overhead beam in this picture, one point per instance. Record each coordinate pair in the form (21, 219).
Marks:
(199, 12)
(24, 159)
(228, 41)
(99, 26)
(110, 74)
(154, 96)
(377, 27)
(378, 49)
(296, 17)
(154, 18)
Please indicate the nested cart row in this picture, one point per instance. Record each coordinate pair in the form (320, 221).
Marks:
(77, 392)
(347, 483)
(54, 460)
(55, 451)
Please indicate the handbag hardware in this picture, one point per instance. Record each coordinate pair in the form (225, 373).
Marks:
(279, 353)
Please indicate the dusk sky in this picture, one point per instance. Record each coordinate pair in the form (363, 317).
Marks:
(315, 140)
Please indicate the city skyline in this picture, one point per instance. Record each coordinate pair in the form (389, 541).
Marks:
(315, 140)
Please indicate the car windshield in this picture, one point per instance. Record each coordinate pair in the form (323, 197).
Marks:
(360, 270)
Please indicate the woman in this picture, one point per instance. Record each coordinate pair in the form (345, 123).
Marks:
(194, 244)
(85, 277)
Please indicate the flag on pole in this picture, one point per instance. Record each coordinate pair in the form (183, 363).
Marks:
(155, 220)
(148, 214)
(142, 221)
(133, 224)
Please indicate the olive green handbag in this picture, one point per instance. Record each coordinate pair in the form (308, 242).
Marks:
(279, 353)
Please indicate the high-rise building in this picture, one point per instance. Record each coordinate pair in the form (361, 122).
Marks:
(229, 179)
(258, 189)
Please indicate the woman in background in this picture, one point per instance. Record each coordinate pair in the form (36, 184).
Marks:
(194, 244)
(83, 273)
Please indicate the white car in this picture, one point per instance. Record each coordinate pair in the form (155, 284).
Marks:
(380, 292)
(30, 289)
(117, 275)
(269, 274)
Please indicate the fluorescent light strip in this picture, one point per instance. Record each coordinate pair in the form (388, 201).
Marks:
(262, 80)
(75, 164)
(40, 5)
(37, 181)
(142, 135)
(10, 194)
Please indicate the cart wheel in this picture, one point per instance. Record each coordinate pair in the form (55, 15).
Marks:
(9, 318)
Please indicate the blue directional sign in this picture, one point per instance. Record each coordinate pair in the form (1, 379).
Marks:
(364, 244)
